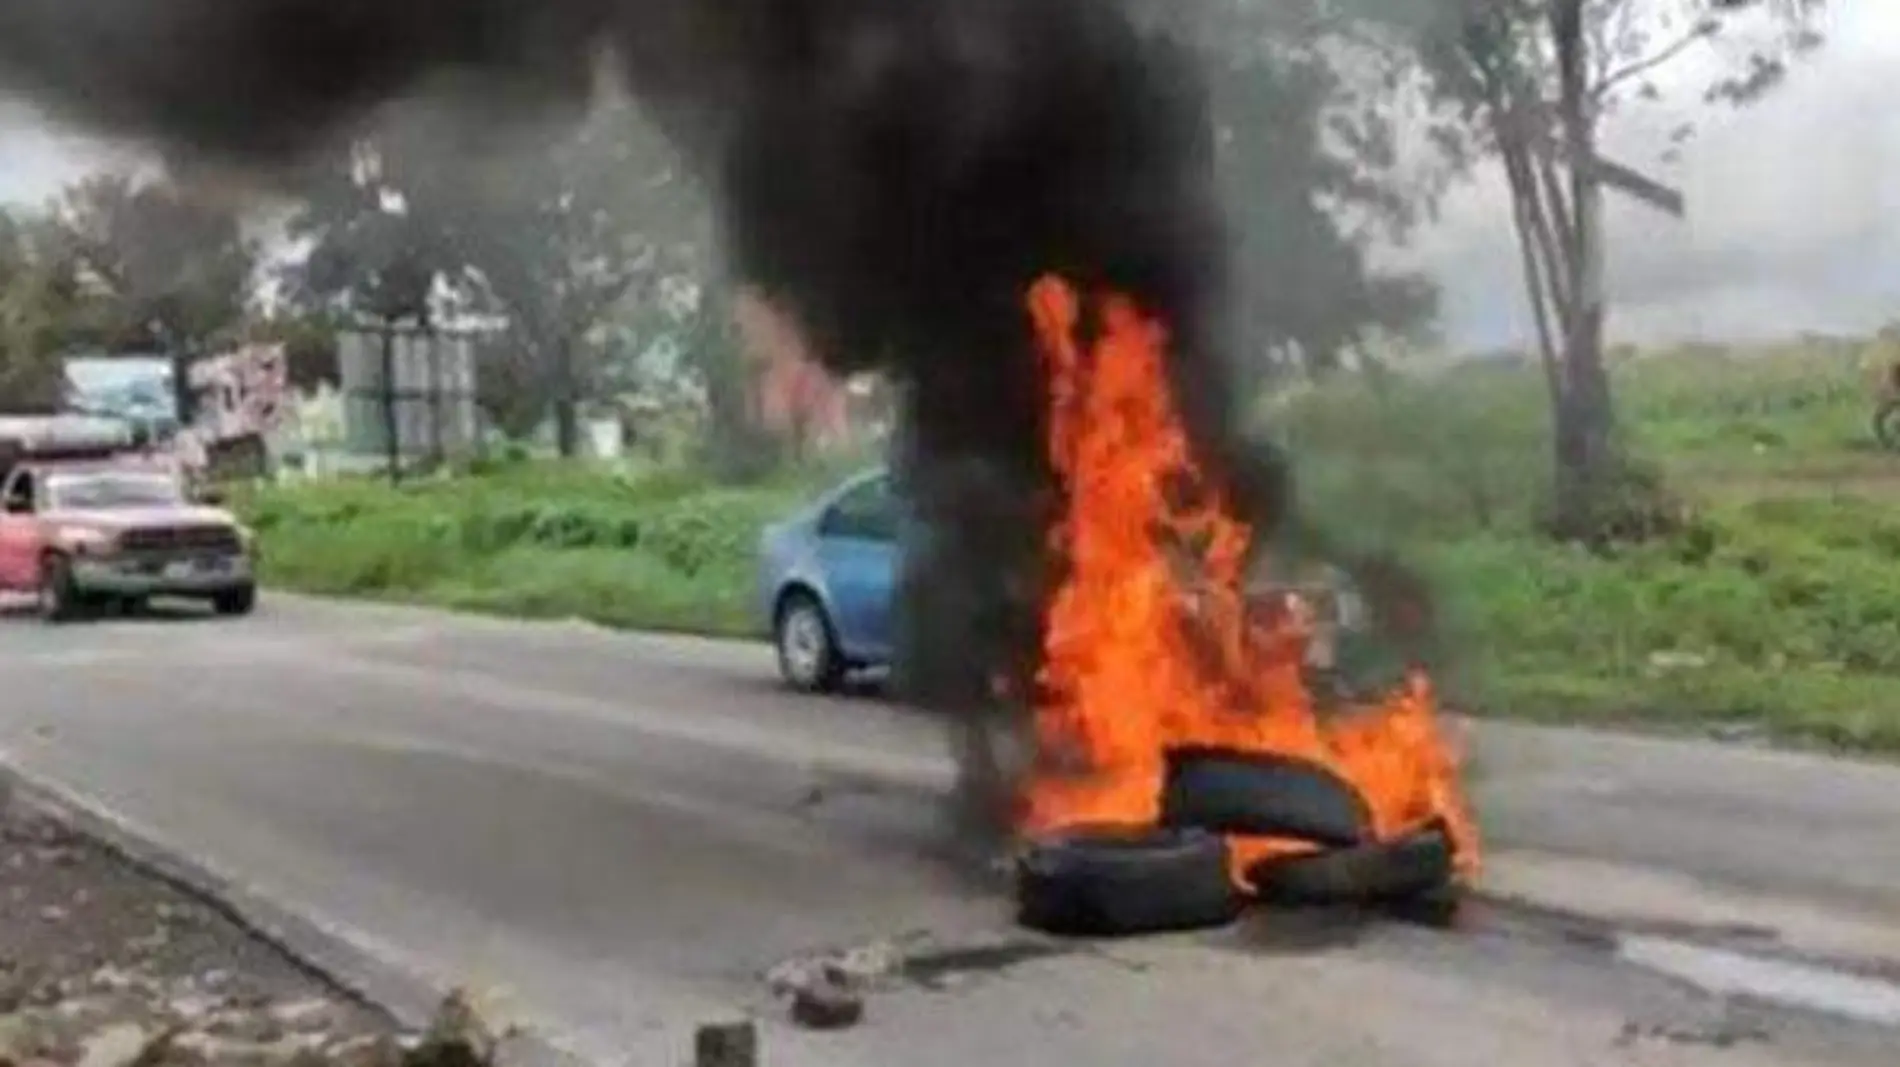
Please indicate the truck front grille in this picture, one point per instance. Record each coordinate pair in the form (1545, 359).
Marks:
(181, 538)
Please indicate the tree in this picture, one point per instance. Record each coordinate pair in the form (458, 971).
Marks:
(1307, 290)
(1306, 132)
(160, 267)
(38, 294)
(310, 345)
(549, 236)
(369, 255)
(1533, 81)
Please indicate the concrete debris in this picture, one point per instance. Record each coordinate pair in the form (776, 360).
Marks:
(305, 1016)
(857, 969)
(102, 965)
(97, 1030)
(117, 1045)
(827, 990)
(827, 1006)
(456, 1038)
(726, 1045)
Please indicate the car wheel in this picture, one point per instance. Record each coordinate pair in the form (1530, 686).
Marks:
(1262, 795)
(1887, 425)
(237, 601)
(1117, 883)
(808, 656)
(1386, 871)
(58, 600)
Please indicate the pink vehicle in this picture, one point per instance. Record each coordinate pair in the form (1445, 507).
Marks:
(86, 523)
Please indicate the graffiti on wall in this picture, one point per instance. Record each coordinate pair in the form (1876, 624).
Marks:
(241, 393)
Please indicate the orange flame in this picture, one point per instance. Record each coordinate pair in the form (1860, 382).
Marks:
(1149, 642)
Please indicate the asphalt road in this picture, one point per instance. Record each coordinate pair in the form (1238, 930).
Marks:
(611, 837)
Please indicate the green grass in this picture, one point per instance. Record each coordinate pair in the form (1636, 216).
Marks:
(654, 551)
(1777, 610)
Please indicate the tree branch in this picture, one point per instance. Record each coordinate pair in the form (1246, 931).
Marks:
(1522, 193)
(1610, 81)
(1562, 211)
(1558, 278)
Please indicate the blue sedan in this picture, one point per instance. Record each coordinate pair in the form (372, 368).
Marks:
(828, 579)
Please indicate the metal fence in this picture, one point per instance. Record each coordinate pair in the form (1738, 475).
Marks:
(409, 395)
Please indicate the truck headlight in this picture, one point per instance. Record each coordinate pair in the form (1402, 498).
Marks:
(86, 541)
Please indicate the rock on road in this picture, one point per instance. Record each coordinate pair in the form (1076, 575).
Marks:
(611, 837)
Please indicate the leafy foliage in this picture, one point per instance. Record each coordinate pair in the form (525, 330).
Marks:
(159, 266)
(549, 233)
(1308, 124)
(38, 294)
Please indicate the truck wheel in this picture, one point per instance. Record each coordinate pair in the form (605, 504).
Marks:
(59, 601)
(237, 601)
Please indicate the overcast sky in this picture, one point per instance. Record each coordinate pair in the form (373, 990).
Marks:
(1794, 208)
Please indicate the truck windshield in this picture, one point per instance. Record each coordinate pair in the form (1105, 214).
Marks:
(114, 489)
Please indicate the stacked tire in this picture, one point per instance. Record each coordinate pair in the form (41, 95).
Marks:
(1117, 882)
(1178, 876)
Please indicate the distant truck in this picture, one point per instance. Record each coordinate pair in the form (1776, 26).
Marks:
(89, 520)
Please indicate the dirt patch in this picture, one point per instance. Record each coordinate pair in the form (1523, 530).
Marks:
(104, 965)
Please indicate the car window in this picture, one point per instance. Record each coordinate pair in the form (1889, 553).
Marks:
(18, 495)
(107, 490)
(867, 512)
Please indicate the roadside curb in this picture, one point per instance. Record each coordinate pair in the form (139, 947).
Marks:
(327, 954)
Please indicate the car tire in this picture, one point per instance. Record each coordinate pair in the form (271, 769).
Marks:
(807, 644)
(1260, 794)
(1381, 872)
(1886, 424)
(239, 601)
(58, 600)
(1119, 883)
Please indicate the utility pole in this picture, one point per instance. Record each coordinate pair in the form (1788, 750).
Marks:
(392, 443)
(184, 398)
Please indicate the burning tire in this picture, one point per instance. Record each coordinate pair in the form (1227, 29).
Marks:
(1409, 866)
(1262, 794)
(1118, 883)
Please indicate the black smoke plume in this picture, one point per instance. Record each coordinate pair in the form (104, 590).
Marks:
(895, 172)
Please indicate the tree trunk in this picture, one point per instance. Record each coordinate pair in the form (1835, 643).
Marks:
(1537, 265)
(1587, 464)
(567, 427)
(739, 449)
(567, 421)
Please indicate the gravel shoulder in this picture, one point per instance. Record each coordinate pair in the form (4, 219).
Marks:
(103, 964)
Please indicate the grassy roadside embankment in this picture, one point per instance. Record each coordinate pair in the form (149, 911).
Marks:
(651, 551)
(1777, 610)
